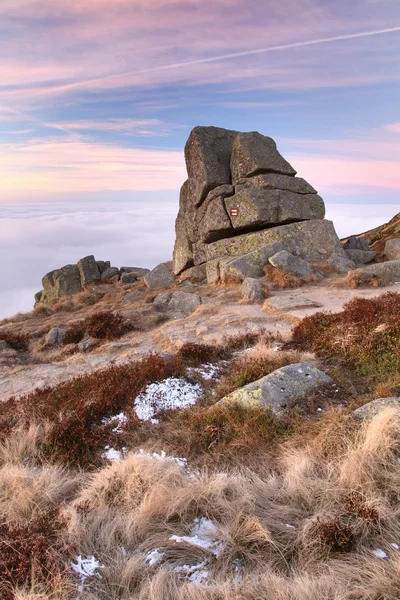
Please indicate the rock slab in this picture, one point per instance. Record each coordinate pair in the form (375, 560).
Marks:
(277, 390)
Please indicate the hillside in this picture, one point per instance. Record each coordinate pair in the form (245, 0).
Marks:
(378, 237)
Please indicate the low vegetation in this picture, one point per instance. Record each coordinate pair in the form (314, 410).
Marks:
(299, 508)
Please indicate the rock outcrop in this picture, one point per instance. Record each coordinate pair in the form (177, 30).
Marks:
(71, 279)
(242, 204)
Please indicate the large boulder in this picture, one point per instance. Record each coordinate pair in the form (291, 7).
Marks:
(208, 153)
(184, 302)
(61, 282)
(89, 270)
(313, 241)
(159, 277)
(254, 153)
(258, 208)
(291, 264)
(392, 249)
(102, 265)
(213, 221)
(277, 390)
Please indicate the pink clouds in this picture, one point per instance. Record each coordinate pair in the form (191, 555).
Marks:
(71, 165)
(97, 45)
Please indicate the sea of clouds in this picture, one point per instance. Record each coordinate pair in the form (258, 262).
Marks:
(37, 237)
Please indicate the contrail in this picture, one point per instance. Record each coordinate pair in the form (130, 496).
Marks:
(327, 40)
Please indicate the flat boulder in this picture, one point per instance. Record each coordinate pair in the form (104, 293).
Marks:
(159, 277)
(371, 409)
(392, 249)
(252, 289)
(280, 388)
(314, 241)
(128, 278)
(137, 272)
(207, 154)
(258, 208)
(291, 264)
(287, 303)
(254, 153)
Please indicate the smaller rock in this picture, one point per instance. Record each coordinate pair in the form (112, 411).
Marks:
(387, 272)
(55, 336)
(371, 409)
(286, 303)
(212, 271)
(392, 249)
(89, 270)
(184, 302)
(85, 345)
(159, 277)
(291, 264)
(194, 274)
(340, 263)
(138, 272)
(162, 300)
(252, 289)
(128, 277)
(114, 279)
(360, 256)
(356, 243)
(4, 345)
(109, 273)
(102, 265)
(38, 297)
(281, 387)
(132, 296)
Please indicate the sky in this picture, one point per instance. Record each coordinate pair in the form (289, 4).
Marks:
(97, 99)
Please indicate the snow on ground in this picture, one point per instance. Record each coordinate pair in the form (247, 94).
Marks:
(86, 567)
(117, 420)
(182, 462)
(207, 371)
(113, 454)
(168, 394)
(204, 534)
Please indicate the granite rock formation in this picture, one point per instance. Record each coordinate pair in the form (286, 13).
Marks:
(242, 204)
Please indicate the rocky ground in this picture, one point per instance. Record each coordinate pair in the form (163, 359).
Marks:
(221, 313)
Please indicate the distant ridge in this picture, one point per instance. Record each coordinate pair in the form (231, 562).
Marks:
(378, 236)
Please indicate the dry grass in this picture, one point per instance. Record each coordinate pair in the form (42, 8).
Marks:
(284, 280)
(357, 279)
(304, 527)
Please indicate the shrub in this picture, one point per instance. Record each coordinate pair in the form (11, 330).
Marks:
(74, 334)
(107, 325)
(29, 552)
(334, 534)
(16, 341)
(365, 335)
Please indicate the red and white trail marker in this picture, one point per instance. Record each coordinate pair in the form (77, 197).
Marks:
(234, 212)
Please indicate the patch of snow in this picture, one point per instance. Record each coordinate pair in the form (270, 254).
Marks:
(119, 420)
(276, 346)
(203, 535)
(112, 453)
(171, 393)
(182, 462)
(290, 526)
(319, 409)
(195, 573)
(154, 556)
(86, 567)
(395, 546)
(207, 371)
(380, 553)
